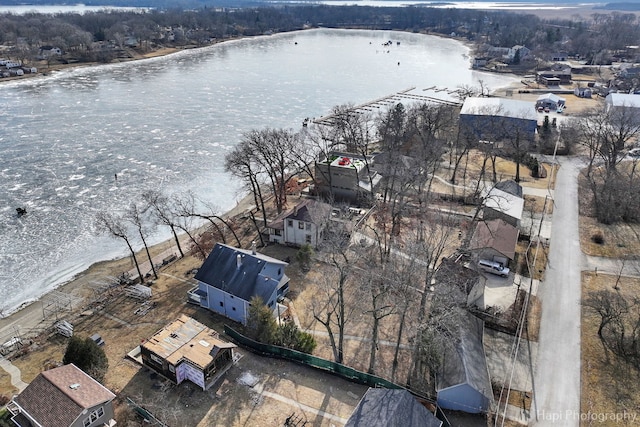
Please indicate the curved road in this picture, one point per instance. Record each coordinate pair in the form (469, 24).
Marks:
(556, 385)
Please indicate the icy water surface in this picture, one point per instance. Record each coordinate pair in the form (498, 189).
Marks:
(167, 123)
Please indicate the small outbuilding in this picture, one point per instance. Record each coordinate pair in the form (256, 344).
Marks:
(391, 408)
(463, 383)
(583, 92)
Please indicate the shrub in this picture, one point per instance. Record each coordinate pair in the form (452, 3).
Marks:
(88, 356)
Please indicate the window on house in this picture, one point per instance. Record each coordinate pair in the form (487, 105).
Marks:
(155, 359)
(289, 223)
(308, 226)
(172, 368)
(233, 308)
(301, 225)
(278, 232)
(93, 417)
(307, 238)
(221, 304)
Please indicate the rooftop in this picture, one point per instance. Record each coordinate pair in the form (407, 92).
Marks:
(186, 338)
(623, 100)
(504, 202)
(58, 396)
(499, 107)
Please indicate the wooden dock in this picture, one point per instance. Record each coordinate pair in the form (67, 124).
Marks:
(385, 102)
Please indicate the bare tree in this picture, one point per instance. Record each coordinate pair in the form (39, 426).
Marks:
(107, 223)
(164, 215)
(187, 206)
(240, 162)
(332, 307)
(135, 215)
(432, 240)
(271, 149)
(605, 132)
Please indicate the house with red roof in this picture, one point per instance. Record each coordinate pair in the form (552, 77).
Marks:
(63, 397)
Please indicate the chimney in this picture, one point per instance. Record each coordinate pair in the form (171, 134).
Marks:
(253, 247)
(238, 261)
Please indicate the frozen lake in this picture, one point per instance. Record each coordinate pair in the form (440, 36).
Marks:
(167, 123)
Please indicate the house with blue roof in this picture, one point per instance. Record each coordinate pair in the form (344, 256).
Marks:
(230, 277)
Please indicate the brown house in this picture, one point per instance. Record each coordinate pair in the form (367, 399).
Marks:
(494, 240)
(62, 397)
(188, 350)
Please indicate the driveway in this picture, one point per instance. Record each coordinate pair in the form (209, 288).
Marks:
(556, 384)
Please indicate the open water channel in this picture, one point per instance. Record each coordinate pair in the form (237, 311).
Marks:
(167, 123)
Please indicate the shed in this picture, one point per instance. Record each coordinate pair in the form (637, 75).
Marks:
(463, 383)
(583, 92)
(391, 408)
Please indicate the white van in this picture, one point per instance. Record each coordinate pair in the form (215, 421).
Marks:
(493, 267)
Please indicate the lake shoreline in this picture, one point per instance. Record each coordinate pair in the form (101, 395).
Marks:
(30, 316)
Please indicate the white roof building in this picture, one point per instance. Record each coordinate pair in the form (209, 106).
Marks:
(622, 100)
(512, 108)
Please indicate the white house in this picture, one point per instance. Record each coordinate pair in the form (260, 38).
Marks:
(230, 277)
(300, 225)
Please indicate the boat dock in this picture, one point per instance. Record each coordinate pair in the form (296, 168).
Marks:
(386, 102)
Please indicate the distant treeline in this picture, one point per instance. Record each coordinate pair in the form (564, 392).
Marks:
(596, 40)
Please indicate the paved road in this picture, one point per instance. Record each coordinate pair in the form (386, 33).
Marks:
(557, 379)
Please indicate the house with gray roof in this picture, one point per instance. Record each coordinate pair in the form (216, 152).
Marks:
(230, 277)
(63, 397)
(391, 408)
(509, 186)
(463, 383)
(300, 225)
(495, 119)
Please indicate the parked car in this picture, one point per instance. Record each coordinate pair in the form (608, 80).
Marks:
(634, 152)
(493, 267)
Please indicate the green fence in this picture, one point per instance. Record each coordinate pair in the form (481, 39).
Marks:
(320, 363)
(310, 360)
